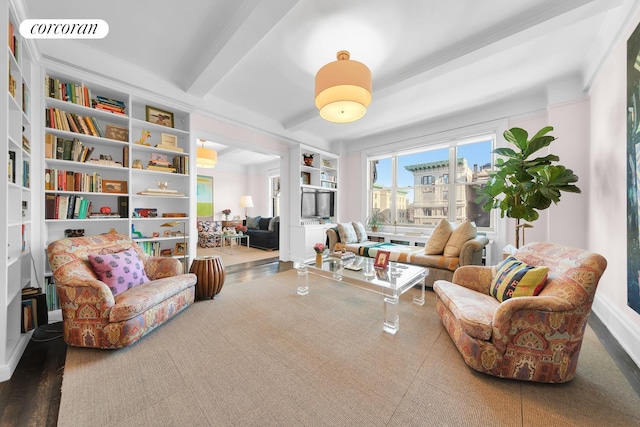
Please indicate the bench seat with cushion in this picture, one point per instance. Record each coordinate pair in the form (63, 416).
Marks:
(445, 251)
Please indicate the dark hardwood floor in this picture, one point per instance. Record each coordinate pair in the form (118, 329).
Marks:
(32, 396)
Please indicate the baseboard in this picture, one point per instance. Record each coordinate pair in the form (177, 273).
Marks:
(620, 328)
(7, 369)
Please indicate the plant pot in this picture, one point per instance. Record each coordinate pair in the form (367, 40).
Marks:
(318, 259)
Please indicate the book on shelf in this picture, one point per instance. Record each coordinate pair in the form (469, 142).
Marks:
(161, 168)
(160, 190)
(155, 193)
(123, 206)
(100, 215)
(12, 167)
(170, 148)
(174, 215)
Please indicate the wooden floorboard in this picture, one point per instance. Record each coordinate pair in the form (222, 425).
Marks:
(32, 396)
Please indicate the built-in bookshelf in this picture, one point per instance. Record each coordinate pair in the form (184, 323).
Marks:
(114, 162)
(16, 217)
(318, 180)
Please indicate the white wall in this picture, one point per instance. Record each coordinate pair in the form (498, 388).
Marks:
(606, 231)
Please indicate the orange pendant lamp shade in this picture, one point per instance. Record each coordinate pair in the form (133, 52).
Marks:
(343, 89)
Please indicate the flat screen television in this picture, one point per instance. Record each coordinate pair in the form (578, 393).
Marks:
(317, 203)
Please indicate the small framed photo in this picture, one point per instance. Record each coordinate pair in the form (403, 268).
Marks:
(118, 133)
(158, 116)
(111, 186)
(305, 178)
(159, 157)
(382, 259)
(168, 140)
(166, 252)
(180, 249)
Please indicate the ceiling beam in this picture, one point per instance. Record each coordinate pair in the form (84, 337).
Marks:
(254, 21)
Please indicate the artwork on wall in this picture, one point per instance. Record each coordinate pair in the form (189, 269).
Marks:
(633, 170)
(204, 195)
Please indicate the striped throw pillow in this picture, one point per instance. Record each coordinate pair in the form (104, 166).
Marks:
(517, 279)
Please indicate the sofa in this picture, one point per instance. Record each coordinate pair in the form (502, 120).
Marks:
(443, 253)
(112, 293)
(264, 233)
(525, 318)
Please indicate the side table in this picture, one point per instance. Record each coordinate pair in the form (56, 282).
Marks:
(211, 274)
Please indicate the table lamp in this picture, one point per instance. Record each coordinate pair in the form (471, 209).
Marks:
(246, 202)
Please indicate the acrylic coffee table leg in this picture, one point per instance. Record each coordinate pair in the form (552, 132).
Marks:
(303, 279)
(391, 314)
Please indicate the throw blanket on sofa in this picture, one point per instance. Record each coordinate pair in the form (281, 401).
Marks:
(406, 254)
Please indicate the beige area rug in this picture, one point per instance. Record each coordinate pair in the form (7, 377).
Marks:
(240, 254)
(261, 355)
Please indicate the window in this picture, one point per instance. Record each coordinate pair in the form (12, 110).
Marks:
(414, 188)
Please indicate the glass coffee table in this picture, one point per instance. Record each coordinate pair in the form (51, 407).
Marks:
(359, 271)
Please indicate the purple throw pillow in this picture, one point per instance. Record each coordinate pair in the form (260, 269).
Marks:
(120, 271)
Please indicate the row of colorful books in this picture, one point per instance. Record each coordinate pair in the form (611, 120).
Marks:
(71, 122)
(34, 309)
(57, 206)
(64, 180)
(56, 147)
(53, 301)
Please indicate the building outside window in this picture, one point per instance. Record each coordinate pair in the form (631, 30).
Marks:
(414, 188)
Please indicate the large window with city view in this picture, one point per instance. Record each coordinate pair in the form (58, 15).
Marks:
(420, 187)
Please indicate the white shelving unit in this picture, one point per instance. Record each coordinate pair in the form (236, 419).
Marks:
(16, 215)
(117, 186)
(320, 175)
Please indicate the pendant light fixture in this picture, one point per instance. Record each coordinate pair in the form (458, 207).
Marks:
(343, 89)
(206, 157)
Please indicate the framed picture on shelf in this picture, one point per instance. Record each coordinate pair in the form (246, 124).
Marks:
(180, 249)
(158, 116)
(305, 178)
(166, 252)
(112, 186)
(118, 133)
(382, 259)
(168, 140)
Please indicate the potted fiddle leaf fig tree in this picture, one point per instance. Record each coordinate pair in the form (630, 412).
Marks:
(520, 185)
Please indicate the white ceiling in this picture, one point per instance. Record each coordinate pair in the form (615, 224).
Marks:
(253, 62)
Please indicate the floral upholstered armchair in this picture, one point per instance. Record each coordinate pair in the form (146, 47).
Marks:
(106, 305)
(533, 338)
(209, 234)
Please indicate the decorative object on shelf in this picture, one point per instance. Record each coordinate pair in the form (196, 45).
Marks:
(519, 186)
(112, 186)
(226, 213)
(307, 158)
(305, 178)
(143, 138)
(206, 157)
(137, 164)
(159, 117)
(117, 133)
(181, 248)
(319, 248)
(204, 195)
(135, 233)
(246, 202)
(112, 231)
(155, 234)
(343, 89)
(168, 141)
(105, 209)
(163, 185)
(375, 220)
(211, 274)
(74, 233)
(145, 212)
